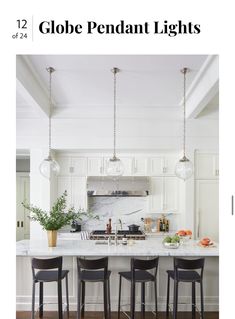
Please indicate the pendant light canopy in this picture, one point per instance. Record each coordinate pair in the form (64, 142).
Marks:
(114, 166)
(49, 165)
(184, 167)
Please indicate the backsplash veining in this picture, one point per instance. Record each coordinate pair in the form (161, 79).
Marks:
(128, 209)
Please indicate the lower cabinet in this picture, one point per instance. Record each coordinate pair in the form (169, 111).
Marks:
(164, 194)
(207, 209)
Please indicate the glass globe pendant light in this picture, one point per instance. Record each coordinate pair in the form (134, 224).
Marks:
(184, 167)
(49, 165)
(114, 166)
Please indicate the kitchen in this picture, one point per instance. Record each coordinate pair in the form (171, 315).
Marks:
(147, 136)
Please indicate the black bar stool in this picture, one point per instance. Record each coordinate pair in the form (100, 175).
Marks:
(93, 270)
(45, 274)
(188, 274)
(139, 274)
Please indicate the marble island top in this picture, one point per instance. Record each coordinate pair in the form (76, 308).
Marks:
(149, 247)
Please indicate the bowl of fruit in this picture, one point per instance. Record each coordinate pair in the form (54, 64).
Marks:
(184, 234)
(171, 242)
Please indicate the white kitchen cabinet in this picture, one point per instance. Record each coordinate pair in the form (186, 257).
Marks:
(76, 166)
(128, 165)
(79, 197)
(64, 183)
(207, 166)
(171, 194)
(162, 165)
(164, 196)
(140, 166)
(156, 194)
(207, 209)
(22, 195)
(95, 166)
(65, 164)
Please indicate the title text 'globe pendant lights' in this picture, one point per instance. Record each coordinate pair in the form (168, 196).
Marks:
(184, 167)
(49, 165)
(114, 166)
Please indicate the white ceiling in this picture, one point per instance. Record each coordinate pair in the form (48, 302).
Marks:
(86, 81)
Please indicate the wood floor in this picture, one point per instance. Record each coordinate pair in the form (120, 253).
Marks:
(99, 315)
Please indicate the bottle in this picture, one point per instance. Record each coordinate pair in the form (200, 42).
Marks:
(124, 240)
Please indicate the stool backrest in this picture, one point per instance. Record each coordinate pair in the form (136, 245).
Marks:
(141, 264)
(47, 264)
(189, 264)
(93, 264)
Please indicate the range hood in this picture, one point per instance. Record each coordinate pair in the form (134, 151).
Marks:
(106, 186)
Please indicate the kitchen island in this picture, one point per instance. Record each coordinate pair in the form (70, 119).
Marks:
(119, 261)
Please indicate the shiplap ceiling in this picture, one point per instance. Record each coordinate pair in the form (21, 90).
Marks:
(82, 82)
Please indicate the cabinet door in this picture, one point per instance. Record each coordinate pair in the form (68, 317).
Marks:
(156, 166)
(206, 166)
(207, 209)
(95, 166)
(156, 197)
(128, 165)
(140, 166)
(169, 166)
(64, 183)
(79, 196)
(79, 166)
(171, 194)
(22, 195)
(65, 164)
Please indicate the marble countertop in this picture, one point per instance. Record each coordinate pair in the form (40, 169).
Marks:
(148, 247)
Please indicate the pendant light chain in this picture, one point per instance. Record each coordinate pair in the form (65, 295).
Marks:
(114, 112)
(50, 71)
(184, 106)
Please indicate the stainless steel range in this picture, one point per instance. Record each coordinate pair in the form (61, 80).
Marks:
(101, 235)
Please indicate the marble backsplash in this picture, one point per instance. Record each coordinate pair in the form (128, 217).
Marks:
(129, 209)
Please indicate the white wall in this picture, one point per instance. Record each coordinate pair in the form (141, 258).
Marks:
(146, 133)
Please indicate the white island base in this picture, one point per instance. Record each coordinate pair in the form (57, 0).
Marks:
(119, 260)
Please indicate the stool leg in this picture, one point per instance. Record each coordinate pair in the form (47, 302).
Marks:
(60, 309)
(175, 299)
(143, 299)
(155, 291)
(109, 302)
(202, 301)
(168, 296)
(33, 301)
(119, 296)
(40, 299)
(79, 300)
(67, 294)
(132, 300)
(193, 300)
(83, 299)
(105, 299)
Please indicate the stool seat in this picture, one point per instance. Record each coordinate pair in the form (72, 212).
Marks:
(50, 275)
(93, 276)
(140, 276)
(185, 276)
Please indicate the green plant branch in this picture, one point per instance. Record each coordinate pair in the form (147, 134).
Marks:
(57, 217)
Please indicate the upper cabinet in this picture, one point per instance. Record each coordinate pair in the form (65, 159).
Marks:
(140, 166)
(207, 166)
(95, 166)
(162, 165)
(76, 166)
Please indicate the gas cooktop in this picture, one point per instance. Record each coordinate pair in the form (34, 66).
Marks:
(101, 234)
